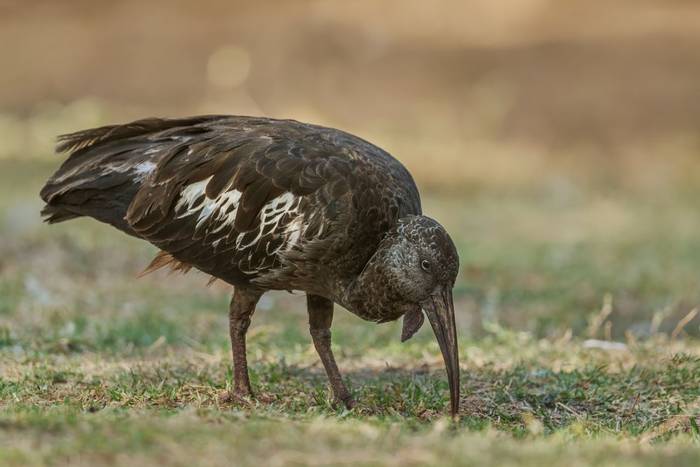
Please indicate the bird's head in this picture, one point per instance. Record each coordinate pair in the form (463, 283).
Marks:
(420, 259)
(412, 274)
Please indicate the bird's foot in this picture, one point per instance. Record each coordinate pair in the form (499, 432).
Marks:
(346, 401)
(237, 397)
(265, 398)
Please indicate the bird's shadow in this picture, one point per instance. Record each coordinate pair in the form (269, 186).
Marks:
(509, 398)
(420, 391)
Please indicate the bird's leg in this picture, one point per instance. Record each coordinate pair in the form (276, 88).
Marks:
(320, 318)
(241, 309)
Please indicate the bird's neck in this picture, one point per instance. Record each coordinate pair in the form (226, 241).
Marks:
(371, 295)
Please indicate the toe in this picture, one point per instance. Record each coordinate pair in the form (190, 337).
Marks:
(235, 397)
(347, 401)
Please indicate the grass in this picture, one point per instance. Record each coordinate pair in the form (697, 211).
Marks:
(97, 367)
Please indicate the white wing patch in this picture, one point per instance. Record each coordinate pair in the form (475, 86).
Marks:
(294, 230)
(189, 195)
(228, 207)
(219, 214)
(144, 168)
(270, 216)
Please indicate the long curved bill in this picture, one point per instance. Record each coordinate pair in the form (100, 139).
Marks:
(441, 313)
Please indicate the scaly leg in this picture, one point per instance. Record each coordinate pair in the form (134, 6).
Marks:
(241, 309)
(320, 318)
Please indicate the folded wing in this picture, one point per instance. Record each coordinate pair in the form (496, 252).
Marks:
(231, 202)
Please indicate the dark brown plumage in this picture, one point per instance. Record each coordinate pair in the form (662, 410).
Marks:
(270, 204)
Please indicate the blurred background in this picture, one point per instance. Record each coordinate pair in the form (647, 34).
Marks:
(557, 141)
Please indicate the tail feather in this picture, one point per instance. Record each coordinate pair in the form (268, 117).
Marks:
(55, 214)
(106, 166)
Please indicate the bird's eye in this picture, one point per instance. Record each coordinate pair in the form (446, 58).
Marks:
(425, 264)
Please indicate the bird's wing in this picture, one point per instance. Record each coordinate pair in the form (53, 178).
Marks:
(249, 192)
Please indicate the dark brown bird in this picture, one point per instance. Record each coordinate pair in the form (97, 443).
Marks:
(267, 204)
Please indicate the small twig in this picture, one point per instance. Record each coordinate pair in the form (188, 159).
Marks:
(683, 322)
(598, 319)
(627, 414)
(566, 338)
(569, 409)
(607, 330)
(657, 319)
